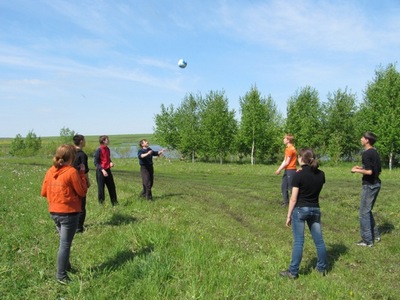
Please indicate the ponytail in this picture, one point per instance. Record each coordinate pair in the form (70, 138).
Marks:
(308, 157)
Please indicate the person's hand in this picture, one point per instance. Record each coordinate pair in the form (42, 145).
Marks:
(355, 168)
(105, 174)
(288, 222)
(111, 164)
(277, 172)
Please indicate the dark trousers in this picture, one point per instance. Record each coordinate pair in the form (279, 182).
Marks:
(82, 215)
(147, 172)
(109, 182)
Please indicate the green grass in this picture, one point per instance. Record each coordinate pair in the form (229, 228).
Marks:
(213, 232)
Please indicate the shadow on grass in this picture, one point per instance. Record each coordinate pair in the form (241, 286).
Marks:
(120, 259)
(120, 219)
(333, 252)
(386, 228)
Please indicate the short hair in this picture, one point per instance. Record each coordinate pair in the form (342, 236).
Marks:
(289, 137)
(77, 139)
(371, 137)
(64, 154)
(141, 142)
(102, 138)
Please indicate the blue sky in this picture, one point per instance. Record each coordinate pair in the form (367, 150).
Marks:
(106, 66)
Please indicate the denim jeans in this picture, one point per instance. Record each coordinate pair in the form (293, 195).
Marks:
(66, 225)
(369, 230)
(312, 216)
(287, 184)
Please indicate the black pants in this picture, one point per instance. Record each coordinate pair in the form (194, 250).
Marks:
(82, 215)
(109, 182)
(147, 172)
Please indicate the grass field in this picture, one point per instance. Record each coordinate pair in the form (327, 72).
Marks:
(213, 232)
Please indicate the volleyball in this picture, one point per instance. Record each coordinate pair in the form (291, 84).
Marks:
(182, 63)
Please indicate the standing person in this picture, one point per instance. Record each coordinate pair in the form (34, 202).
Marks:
(371, 185)
(81, 159)
(64, 187)
(304, 207)
(289, 165)
(104, 176)
(145, 155)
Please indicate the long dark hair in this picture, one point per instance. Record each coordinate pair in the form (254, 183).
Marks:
(308, 157)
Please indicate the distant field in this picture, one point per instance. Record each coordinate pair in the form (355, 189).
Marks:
(92, 141)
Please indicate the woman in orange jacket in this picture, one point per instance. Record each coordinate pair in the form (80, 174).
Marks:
(64, 187)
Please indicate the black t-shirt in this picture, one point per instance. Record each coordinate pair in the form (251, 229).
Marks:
(371, 161)
(81, 158)
(310, 184)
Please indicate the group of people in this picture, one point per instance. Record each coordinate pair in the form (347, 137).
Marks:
(304, 186)
(66, 183)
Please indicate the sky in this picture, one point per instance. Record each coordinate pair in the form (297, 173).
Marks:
(106, 66)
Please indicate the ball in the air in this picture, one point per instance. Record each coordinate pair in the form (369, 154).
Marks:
(182, 63)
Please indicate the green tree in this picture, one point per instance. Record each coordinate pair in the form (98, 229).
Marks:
(304, 118)
(187, 120)
(166, 130)
(26, 147)
(381, 111)
(259, 125)
(218, 125)
(66, 135)
(340, 138)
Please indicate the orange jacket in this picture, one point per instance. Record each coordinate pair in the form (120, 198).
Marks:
(64, 189)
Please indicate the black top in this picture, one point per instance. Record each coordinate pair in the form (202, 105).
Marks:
(371, 161)
(310, 184)
(81, 158)
(148, 160)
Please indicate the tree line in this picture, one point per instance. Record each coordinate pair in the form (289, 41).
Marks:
(204, 128)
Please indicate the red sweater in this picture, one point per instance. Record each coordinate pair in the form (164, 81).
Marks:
(64, 189)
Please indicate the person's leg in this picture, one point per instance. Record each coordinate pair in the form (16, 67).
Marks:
(298, 220)
(367, 221)
(82, 216)
(111, 188)
(314, 224)
(146, 179)
(151, 181)
(69, 224)
(284, 189)
(100, 186)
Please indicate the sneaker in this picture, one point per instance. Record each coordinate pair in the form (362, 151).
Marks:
(63, 281)
(364, 244)
(289, 275)
(378, 239)
(321, 272)
(80, 230)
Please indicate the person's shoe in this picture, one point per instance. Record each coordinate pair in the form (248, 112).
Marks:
(363, 243)
(321, 272)
(378, 239)
(289, 275)
(80, 230)
(63, 281)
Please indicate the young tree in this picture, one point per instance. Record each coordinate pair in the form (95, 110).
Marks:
(26, 147)
(381, 110)
(187, 120)
(66, 135)
(166, 130)
(258, 125)
(340, 138)
(218, 125)
(304, 118)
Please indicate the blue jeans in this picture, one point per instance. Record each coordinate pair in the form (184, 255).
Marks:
(66, 225)
(369, 230)
(312, 216)
(287, 184)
